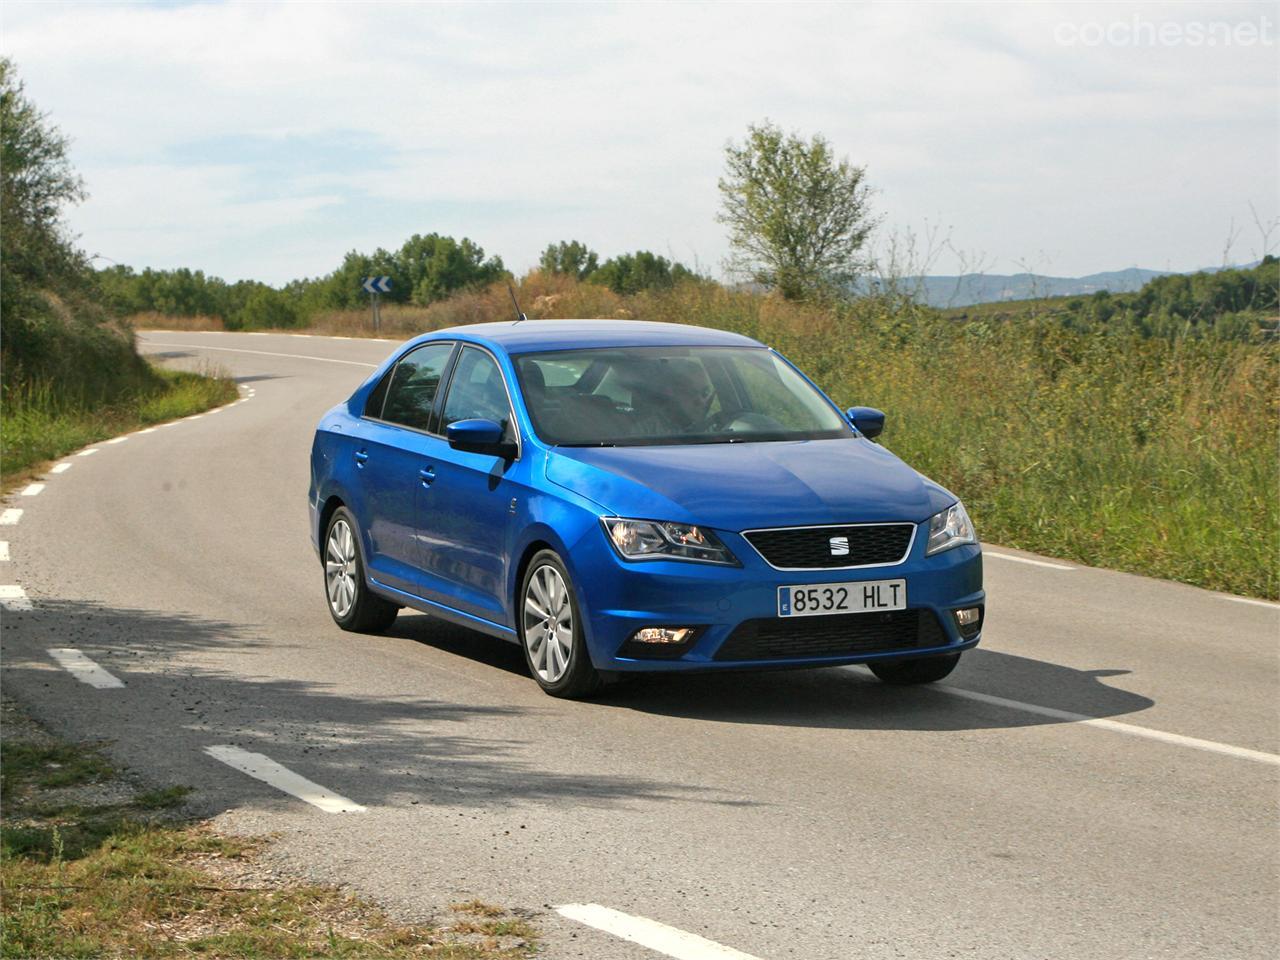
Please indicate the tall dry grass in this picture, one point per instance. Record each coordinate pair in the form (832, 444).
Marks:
(150, 320)
(1155, 456)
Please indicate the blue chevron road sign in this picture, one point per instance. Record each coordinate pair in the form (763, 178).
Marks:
(376, 285)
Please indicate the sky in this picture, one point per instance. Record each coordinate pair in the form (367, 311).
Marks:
(263, 141)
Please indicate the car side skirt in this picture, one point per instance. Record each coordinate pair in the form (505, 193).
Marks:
(443, 612)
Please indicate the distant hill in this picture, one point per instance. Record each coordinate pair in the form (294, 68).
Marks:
(967, 289)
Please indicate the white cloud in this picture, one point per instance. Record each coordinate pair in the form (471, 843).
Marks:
(523, 124)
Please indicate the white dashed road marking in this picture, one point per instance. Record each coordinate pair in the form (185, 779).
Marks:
(87, 453)
(10, 517)
(84, 669)
(13, 597)
(1034, 563)
(1133, 730)
(668, 941)
(33, 490)
(60, 468)
(4, 550)
(283, 779)
(118, 439)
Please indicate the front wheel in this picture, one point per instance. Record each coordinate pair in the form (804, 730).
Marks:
(352, 604)
(911, 672)
(551, 631)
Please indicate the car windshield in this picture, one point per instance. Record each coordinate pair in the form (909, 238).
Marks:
(635, 396)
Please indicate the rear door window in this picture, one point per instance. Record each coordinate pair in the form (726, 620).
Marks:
(411, 394)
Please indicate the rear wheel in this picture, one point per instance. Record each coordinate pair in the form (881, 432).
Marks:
(551, 630)
(352, 604)
(909, 672)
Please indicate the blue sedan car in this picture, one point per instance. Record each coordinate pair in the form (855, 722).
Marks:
(621, 496)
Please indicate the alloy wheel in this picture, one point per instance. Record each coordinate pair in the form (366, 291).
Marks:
(548, 623)
(340, 568)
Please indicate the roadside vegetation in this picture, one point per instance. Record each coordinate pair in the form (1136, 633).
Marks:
(69, 373)
(1096, 443)
(93, 865)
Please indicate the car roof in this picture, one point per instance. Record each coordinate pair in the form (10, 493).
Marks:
(529, 336)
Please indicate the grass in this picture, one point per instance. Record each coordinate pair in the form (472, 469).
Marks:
(89, 878)
(37, 424)
(151, 320)
(1153, 455)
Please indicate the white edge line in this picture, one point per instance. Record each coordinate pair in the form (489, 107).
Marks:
(118, 439)
(60, 468)
(263, 768)
(265, 353)
(1034, 563)
(87, 453)
(1133, 730)
(33, 490)
(1252, 602)
(10, 517)
(4, 550)
(13, 597)
(669, 941)
(84, 669)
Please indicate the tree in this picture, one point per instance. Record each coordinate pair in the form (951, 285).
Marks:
(36, 183)
(797, 217)
(266, 308)
(573, 259)
(435, 266)
(632, 272)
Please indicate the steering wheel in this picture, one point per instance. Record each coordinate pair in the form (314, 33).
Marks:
(739, 421)
(720, 420)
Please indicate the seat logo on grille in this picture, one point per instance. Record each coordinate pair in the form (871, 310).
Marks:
(839, 546)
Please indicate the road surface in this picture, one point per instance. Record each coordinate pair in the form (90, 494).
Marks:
(1098, 780)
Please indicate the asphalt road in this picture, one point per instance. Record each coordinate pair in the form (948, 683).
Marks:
(1099, 779)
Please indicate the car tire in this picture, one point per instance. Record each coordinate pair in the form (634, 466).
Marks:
(910, 672)
(555, 650)
(351, 603)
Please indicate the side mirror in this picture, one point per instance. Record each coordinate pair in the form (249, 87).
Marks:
(479, 436)
(868, 420)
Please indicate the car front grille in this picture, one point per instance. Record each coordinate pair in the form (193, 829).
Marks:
(779, 638)
(828, 548)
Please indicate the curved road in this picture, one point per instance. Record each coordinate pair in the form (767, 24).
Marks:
(1099, 779)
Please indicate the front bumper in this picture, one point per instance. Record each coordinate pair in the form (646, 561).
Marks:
(621, 597)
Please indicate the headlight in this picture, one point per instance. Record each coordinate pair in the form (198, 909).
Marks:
(950, 528)
(654, 540)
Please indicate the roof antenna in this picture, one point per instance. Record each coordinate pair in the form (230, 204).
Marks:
(519, 313)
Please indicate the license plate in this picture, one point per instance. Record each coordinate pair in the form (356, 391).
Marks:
(857, 596)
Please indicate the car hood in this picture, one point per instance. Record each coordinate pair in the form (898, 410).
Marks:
(744, 485)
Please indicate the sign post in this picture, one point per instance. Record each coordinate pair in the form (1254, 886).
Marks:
(375, 286)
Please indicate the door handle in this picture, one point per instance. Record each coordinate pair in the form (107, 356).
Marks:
(361, 457)
(427, 475)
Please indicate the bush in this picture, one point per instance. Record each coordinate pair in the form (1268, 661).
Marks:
(267, 308)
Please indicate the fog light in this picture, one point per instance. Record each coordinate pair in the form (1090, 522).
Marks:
(969, 621)
(662, 635)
